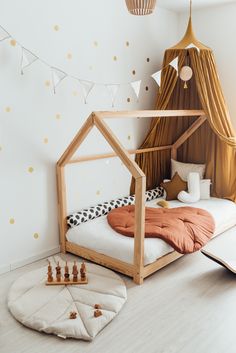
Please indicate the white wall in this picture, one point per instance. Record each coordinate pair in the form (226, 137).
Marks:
(33, 135)
(216, 27)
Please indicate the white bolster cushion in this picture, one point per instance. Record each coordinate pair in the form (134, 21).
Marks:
(193, 194)
(205, 188)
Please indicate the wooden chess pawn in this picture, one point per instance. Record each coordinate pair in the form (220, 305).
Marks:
(73, 315)
(97, 313)
(50, 277)
(58, 272)
(97, 306)
(66, 274)
(75, 272)
(83, 272)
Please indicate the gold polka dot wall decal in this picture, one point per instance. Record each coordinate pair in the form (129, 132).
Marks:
(98, 192)
(75, 93)
(30, 169)
(36, 235)
(58, 116)
(129, 137)
(69, 56)
(114, 58)
(45, 140)
(128, 100)
(0, 148)
(11, 221)
(56, 28)
(13, 42)
(7, 109)
(47, 83)
(133, 72)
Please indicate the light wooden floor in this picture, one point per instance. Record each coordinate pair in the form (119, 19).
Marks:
(188, 307)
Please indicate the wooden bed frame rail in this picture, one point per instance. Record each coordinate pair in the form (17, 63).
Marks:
(137, 270)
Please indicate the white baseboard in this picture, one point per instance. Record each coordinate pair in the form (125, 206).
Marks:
(29, 260)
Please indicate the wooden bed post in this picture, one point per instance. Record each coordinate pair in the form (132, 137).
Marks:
(61, 184)
(140, 198)
(62, 209)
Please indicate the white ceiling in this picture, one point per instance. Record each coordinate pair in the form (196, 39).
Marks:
(183, 5)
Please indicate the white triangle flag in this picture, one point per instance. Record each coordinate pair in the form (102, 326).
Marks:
(57, 77)
(136, 87)
(174, 63)
(87, 86)
(113, 89)
(157, 77)
(27, 58)
(191, 45)
(3, 34)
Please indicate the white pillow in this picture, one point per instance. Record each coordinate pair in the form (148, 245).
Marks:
(183, 169)
(193, 194)
(205, 186)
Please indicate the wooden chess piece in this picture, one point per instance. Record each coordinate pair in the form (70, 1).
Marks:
(97, 306)
(66, 274)
(75, 272)
(83, 272)
(73, 315)
(50, 276)
(97, 313)
(58, 272)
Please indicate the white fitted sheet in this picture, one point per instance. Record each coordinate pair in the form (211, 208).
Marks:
(99, 236)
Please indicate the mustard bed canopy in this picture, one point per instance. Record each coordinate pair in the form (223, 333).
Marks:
(214, 143)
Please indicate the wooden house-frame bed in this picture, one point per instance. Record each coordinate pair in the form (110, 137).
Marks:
(137, 270)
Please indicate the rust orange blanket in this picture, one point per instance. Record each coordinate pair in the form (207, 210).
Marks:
(186, 229)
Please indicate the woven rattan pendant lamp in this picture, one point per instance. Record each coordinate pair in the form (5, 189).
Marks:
(140, 7)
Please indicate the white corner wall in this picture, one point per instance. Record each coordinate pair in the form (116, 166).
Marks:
(36, 126)
(216, 27)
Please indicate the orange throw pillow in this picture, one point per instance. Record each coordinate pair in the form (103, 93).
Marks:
(174, 187)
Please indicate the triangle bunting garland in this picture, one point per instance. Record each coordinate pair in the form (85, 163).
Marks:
(113, 89)
(27, 58)
(157, 77)
(174, 63)
(136, 87)
(57, 77)
(191, 45)
(87, 86)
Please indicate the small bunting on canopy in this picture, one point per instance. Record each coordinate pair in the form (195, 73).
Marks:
(87, 86)
(174, 63)
(27, 58)
(3, 34)
(157, 77)
(193, 46)
(136, 87)
(113, 89)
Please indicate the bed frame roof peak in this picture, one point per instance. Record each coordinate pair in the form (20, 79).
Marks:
(97, 119)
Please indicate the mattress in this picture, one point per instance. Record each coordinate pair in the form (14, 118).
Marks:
(97, 235)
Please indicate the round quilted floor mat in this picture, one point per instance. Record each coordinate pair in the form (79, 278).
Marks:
(47, 308)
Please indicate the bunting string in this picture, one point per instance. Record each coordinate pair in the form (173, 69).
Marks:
(58, 75)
